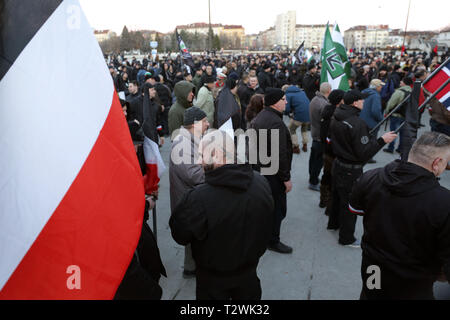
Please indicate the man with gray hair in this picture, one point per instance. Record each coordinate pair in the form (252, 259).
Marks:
(316, 107)
(406, 217)
(228, 220)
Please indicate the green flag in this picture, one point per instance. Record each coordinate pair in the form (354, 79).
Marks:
(340, 48)
(333, 66)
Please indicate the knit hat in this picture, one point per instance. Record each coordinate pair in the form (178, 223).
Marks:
(336, 96)
(272, 96)
(353, 96)
(193, 114)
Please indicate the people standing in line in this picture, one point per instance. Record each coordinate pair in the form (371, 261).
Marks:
(406, 218)
(271, 119)
(353, 146)
(298, 109)
(336, 98)
(185, 170)
(316, 107)
(227, 220)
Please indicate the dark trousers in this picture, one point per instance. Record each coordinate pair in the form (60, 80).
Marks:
(315, 162)
(280, 206)
(326, 190)
(343, 180)
(392, 286)
(165, 121)
(245, 286)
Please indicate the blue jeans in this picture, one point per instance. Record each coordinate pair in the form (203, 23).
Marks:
(395, 122)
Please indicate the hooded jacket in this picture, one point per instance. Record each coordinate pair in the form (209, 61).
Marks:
(297, 103)
(406, 220)
(350, 138)
(205, 101)
(372, 112)
(228, 220)
(176, 113)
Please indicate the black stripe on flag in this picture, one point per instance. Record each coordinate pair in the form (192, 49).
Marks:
(19, 22)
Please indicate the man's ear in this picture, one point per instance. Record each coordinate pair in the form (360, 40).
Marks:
(435, 166)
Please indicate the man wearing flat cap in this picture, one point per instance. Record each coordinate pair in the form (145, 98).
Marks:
(353, 146)
(271, 119)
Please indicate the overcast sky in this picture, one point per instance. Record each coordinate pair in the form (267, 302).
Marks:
(255, 16)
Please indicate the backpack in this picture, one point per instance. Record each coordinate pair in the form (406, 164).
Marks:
(387, 90)
(402, 110)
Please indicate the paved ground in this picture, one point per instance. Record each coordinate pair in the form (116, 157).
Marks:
(319, 267)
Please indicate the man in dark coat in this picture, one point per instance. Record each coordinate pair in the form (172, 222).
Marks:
(406, 217)
(353, 146)
(228, 105)
(228, 222)
(265, 78)
(271, 119)
(311, 82)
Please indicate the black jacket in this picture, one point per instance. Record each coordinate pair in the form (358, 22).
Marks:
(226, 107)
(228, 220)
(406, 220)
(350, 138)
(311, 84)
(141, 280)
(151, 115)
(247, 93)
(270, 118)
(265, 80)
(325, 120)
(164, 95)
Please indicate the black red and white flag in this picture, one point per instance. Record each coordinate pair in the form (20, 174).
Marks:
(71, 190)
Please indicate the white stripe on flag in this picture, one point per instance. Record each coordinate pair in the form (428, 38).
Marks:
(355, 210)
(153, 156)
(57, 121)
(446, 70)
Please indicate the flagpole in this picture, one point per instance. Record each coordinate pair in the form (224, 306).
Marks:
(406, 26)
(406, 99)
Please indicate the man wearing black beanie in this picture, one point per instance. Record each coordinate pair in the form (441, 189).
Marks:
(271, 118)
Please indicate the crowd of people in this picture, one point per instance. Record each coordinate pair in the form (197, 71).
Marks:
(213, 196)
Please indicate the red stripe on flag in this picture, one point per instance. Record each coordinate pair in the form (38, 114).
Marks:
(434, 83)
(151, 178)
(96, 226)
